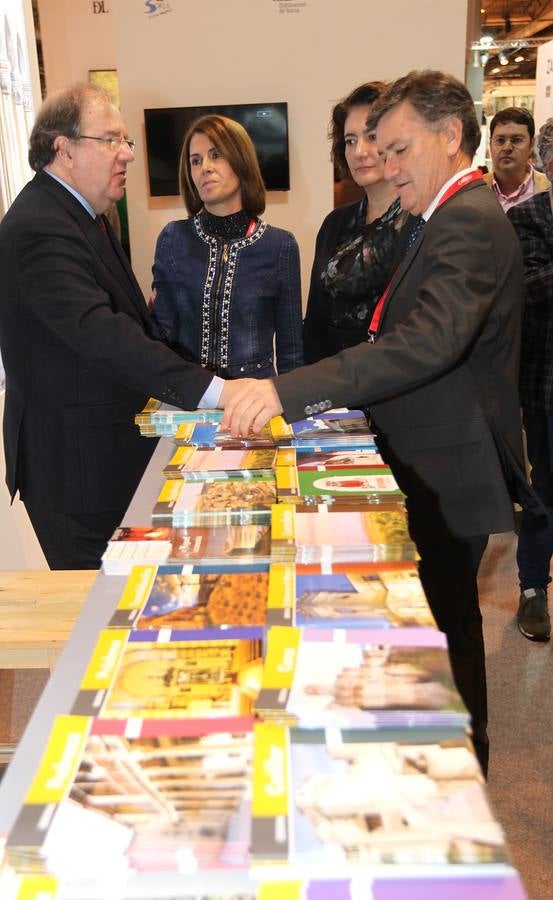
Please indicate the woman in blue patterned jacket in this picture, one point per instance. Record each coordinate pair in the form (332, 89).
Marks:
(225, 283)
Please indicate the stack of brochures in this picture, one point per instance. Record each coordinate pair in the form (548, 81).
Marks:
(130, 546)
(328, 534)
(159, 419)
(360, 678)
(193, 464)
(352, 488)
(229, 501)
(334, 430)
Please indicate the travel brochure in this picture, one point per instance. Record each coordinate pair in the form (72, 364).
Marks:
(335, 800)
(361, 486)
(162, 419)
(359, 678)
(168, 603)
(193, 464)
(329, 534)
(170, 679)
(177, 801)
(130, 546)
(215, 502)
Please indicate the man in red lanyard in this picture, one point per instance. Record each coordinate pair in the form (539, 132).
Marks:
(441, 376)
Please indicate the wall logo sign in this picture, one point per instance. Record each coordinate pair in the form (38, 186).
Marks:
(99, 7)
(154, 8)
(290, 6)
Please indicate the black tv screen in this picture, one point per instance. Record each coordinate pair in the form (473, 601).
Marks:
(266, 124)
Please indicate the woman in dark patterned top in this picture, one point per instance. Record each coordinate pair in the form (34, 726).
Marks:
(356, 243)
(226, 283)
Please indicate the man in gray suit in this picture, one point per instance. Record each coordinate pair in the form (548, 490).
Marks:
(441, 375)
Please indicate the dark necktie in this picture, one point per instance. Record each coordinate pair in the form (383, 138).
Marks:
(418, 225)
(102, 226)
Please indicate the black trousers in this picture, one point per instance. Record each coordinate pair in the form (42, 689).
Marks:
(72, 541)
(448, 570)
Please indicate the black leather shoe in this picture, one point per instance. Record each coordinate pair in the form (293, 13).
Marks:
(533, 617)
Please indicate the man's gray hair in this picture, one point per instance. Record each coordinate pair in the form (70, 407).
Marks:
(60, 114)
(545, 145)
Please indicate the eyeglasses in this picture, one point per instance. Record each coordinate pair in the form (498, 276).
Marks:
(517, 141)
(114, 144)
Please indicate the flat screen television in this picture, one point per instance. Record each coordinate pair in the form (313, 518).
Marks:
(266, 124)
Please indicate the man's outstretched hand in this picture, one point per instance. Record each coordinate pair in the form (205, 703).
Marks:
(248, 403)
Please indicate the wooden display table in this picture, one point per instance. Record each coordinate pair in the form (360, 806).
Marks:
(37, 613)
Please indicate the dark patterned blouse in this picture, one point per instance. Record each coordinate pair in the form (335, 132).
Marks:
(353, 264)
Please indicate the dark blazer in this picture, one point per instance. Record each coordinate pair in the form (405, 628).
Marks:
(533, 222)
(81, 357)
(441, 379)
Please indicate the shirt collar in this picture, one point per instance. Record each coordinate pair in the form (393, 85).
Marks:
(90, 210)
(430, 209)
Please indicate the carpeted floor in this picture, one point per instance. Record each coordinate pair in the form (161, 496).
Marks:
(520, 682)
(520, 685)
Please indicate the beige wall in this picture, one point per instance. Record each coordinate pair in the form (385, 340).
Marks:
(238, 51)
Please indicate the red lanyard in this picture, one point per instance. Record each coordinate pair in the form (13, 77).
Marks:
(451, 191)
(251, 228)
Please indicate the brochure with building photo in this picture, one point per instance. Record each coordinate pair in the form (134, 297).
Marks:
(362, 596)
(156, 545)
(174, 800)
(335, 800)
(360, 678)
(176, 679)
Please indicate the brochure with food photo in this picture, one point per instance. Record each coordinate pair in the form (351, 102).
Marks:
(216, 502)
(172, 603)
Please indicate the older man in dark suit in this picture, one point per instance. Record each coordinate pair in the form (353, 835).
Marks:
(533, 222)
(78, 345)
(441, 375)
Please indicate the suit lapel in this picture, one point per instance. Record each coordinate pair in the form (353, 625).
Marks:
(110, 252)
(409, 257)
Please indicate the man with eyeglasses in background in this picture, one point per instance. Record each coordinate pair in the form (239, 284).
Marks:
(513, 177)
(80, 350)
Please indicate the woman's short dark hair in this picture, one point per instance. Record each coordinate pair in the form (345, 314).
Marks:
(364, 95)
(235, 144)
(435, 96)
(60, 114)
